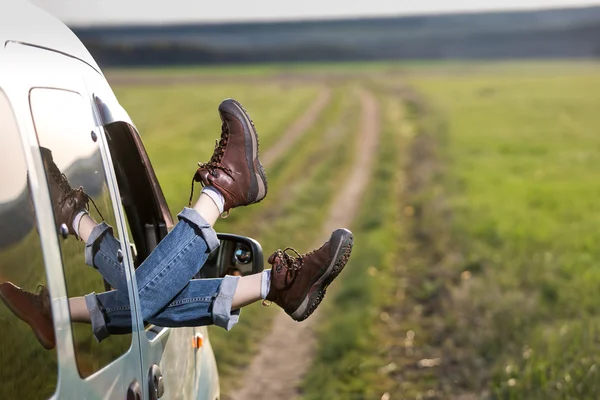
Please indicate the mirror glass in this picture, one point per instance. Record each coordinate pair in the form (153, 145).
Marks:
(236, 256)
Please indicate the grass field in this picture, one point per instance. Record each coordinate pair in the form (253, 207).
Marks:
(474, 270)
(521, 186)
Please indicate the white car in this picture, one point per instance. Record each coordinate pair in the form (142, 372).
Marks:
(53, 95)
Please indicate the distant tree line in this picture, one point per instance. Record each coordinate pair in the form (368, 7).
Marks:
(568, 33)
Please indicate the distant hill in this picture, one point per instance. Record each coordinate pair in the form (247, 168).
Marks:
(557, 33)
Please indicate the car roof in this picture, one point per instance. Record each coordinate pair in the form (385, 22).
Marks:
(23, 22)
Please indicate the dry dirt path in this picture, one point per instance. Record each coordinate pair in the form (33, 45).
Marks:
(297, 129)
(286, 352)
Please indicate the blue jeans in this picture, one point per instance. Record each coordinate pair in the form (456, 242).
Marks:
(167, 293)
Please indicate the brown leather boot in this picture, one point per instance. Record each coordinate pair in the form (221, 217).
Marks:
(298, 284)
(234, 168)
(34, 309)
(67, 202)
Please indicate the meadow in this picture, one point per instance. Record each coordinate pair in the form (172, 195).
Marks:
(474, 270)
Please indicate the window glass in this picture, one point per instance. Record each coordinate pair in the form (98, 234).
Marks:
(63, 122)
(145, 214)
(21, 263)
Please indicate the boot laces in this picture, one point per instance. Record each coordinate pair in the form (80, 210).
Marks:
(69, 192)
(73, 193)
(290, 262)
(63, 183)
(215, 161)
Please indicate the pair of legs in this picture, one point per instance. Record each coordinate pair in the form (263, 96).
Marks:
(169, 296)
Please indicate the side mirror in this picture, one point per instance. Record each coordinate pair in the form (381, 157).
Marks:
(237, 255)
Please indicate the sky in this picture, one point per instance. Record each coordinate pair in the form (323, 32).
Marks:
(103, 12)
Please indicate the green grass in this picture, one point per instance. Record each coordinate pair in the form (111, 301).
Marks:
(348, 364)
(521, 158)
(279, 71)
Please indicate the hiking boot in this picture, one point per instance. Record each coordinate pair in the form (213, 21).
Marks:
(298, 284)
(66, 201)
(234, 168)
(34, 309)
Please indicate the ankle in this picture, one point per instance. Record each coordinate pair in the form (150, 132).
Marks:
(207, 208)
(77, 221)
(215, 196)
(265, 283)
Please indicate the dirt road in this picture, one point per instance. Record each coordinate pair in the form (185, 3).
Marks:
(286, 352)
(298, 128)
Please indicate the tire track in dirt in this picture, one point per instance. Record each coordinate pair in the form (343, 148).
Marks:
(298, 128)
(287, 351)
(331, 140)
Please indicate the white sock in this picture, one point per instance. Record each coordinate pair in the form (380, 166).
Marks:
(216, 196)
(265, 283)
(77, 220)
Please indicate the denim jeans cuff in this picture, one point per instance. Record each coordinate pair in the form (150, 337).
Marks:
(99, 327)
(221, 310)
(97, 233)
(208, 233)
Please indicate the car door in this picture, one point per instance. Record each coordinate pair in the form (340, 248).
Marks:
(54, 115)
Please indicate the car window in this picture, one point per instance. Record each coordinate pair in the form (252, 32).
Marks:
(74, 169)
(22, 264)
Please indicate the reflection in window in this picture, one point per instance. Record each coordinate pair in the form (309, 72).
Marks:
(22, 358)
(63, 122)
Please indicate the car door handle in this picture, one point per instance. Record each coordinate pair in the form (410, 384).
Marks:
(155, 383)
(135, 391)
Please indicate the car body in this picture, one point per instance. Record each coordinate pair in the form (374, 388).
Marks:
(53, 95)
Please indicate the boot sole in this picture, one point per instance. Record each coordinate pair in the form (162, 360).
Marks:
(45, 342)
(342, 254)
(258, 183)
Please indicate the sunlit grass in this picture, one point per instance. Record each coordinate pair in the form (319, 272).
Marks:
(522, 158)
(351, 341)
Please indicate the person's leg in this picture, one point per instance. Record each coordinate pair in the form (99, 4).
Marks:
(102, 247)
(248, 291)
(201, 302)
(170, 266)
(297, 283)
